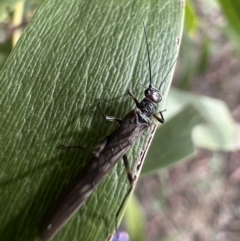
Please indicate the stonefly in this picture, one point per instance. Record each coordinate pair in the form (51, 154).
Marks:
(108, 152)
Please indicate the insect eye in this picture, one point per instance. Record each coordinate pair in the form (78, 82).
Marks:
(148, 93)
(153, 95)
(156, 97)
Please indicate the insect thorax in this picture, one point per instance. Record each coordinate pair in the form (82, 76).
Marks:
(147, 107)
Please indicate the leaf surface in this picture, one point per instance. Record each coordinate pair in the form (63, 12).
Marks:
(72, 53)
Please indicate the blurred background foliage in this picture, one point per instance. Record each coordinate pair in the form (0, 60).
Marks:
(202, 128)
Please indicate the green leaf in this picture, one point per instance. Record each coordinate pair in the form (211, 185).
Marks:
(6, 6)
(134, 220)
(231, 11)
(204, 57)
(5, 49)
(191, 20)
(219, 132)
(173, 141)
(72, 53)
(191, 121)
(187, 66)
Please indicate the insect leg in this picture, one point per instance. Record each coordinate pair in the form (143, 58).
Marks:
(128, 170)
(131, 180)
(106, 117)
(134, 98)
(97, 151)
(160, 119)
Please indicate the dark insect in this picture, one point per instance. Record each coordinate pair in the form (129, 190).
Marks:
(108, 152)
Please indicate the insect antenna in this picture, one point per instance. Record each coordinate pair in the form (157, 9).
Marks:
(143, 85)
(148, 54)
(167, 74)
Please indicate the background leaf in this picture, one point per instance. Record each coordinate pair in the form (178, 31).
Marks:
(134, 220)
(191, 20)
(231, 11)
(71, 53)
(173, 142)
(194, 121)
(219, 132)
